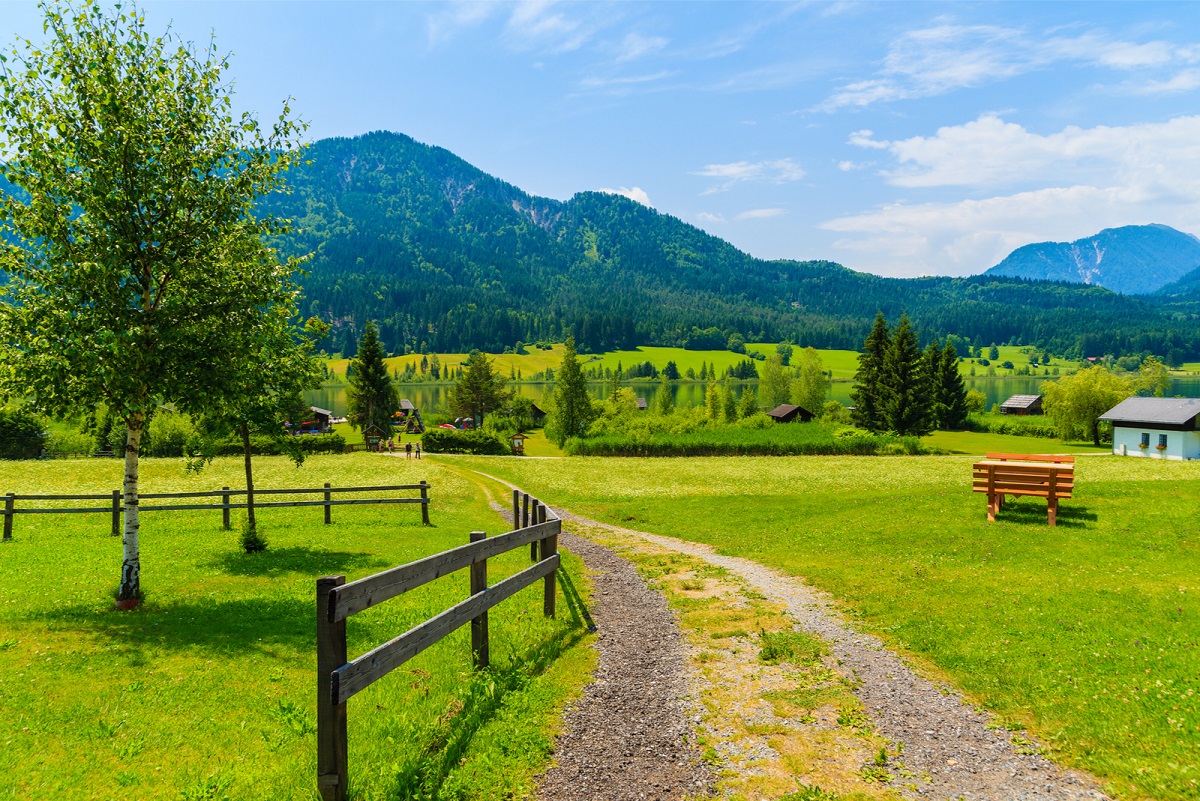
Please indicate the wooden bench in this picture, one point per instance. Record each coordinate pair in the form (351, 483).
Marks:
(1049, 477)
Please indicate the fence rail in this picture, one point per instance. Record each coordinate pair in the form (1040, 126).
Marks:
(340, 678)
(115, 504)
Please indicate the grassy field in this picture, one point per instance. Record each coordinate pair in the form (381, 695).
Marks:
(977, 443)
(207, 691)
(1087, 633)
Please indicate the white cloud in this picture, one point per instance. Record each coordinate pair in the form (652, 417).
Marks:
(939, 59)
(456, 15)
(708, 217)
(540, 25)
(863, 139)
(1182, 81)
(777, 171)
(849, 166)
(625, 82)
(633, 193)
(1056, 187)
(634, 46)
(760, 214)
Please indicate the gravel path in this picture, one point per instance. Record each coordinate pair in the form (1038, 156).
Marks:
(629, 736)
(946, 741)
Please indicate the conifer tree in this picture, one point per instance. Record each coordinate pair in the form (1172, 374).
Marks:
(952, 393)
(728, 401)
(713, 402)
(904, 384)
(479, 390)
(868, 405)
(748, 403)
(572, 403)
(371, 398)
(931, 364)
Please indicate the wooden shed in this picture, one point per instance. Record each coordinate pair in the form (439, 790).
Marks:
(1022, 405)
(322, 419)
(787, 413)
(538, 415)
(641, 404)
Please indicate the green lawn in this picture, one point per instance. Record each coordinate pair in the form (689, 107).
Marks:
(207, 691)
(1089, 633)
(977, 443)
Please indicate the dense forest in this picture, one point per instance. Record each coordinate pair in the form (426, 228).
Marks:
(447, 258)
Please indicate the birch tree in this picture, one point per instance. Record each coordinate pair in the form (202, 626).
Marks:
(132, 246)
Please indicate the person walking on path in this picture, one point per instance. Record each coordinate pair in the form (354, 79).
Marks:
(418, 450)
(408, 450)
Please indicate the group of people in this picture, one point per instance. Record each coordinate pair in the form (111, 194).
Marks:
(408, 448)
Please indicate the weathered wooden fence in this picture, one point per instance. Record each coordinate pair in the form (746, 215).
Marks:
(339, 679)
(115, 501)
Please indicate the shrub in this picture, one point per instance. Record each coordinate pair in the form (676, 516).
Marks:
(21, 435)
(269, 446)
(252, 540)
(789, 439)
(476, 443)
(169, 434)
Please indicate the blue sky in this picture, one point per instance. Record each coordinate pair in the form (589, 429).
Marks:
(896, 138)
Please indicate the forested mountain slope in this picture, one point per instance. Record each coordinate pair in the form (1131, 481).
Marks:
(444, 256)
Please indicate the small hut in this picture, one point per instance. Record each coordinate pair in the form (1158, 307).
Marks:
(517, 443)
(1022, 405)
(787, 413)
(539, 416)
(641, 404)
(372, 435)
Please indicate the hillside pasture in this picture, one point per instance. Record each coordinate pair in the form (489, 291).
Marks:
(1086, 633)
(208, 690)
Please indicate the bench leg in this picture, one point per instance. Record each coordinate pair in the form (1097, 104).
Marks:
(999, 502)
(1052, 510)
(991, 508)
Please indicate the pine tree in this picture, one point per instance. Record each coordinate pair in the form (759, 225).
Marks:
(931, 365)
(729, 402)
(952, 393)
(713, 402)
(572, 403)
(479, 390)
(868, 404)
(904, 384)
(371, 398)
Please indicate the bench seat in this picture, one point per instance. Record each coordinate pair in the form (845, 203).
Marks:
(1047, 479)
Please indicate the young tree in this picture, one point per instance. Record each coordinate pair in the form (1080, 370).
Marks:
(773, 384)
(479, 390)
(785, 350)
(1153, 378)
(1075, 402)
(868, 402)
(810, 387)
(572, 401)
(904, 384)
(728, 402)
(127, 246)
(748, 403)
(371, 397)
(663, 404)
(713, 402)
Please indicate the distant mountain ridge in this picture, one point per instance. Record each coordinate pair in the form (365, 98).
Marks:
(1132, 260)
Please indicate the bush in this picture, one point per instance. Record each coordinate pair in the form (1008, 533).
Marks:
(1015, 425)
(269, 446)
(787, 439)
(168, 434)
(21, 435)
(476, 443)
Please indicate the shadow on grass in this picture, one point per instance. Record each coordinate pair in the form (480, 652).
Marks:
(275, 562)
(1031, 512)
(215, 625)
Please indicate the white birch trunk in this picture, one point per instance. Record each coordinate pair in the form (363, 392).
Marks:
(131, 567)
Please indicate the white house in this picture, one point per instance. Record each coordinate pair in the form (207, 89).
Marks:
(1157, 428)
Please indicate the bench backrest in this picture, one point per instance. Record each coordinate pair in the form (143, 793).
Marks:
(1025, 478)
(1031, 457)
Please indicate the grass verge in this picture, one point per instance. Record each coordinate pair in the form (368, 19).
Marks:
(1085, 633)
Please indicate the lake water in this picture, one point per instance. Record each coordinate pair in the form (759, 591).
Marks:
(432, 397)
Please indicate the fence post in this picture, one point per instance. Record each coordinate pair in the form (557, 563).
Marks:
(9, 500)
(479, 625)
(516, 509)
(424, 503)
(116, 513)
(328, 508)
(332, 778)
(225, 509)
(525, 524)
(549, 548)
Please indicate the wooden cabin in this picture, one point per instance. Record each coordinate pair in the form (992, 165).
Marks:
(539, 416)
(1022, 405)
(787, 413)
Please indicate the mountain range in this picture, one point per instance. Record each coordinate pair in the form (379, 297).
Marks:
(1132, 260)
(446, 258)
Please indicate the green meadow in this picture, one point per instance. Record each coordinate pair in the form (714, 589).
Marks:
(208, 690)
(1087, 633)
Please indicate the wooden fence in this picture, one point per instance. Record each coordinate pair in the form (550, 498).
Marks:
(115, 507)
(339, 679)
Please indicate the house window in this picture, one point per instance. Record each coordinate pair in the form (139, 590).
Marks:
(1162, 442)
(1145, 440)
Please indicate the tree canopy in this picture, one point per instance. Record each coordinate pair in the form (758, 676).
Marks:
(480, 389)
(135, 254)
(1075, 402)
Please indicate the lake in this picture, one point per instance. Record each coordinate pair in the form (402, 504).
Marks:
(432, 397)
